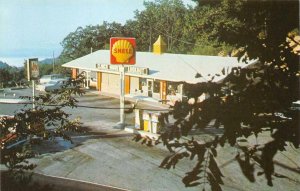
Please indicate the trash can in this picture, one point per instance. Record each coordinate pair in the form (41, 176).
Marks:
(155, 124)
(139, 119)
(147, 121)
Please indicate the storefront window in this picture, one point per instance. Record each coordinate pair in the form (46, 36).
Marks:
(93, 76)
(142, 82)
(173, 88)
(156, 87)
(180, 89)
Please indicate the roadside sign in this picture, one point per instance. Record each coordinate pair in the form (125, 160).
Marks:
(122, 50)
(32, 75)
(32, 69)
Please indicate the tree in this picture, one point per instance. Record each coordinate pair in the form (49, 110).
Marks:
(10, 76)
(90, 38)
(162, 17)
(4, 76)
(249, 101)
(80, 42)
(47, 121)
(260, 31)
(179, 25)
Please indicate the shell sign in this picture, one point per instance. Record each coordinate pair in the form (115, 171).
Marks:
(122, 50)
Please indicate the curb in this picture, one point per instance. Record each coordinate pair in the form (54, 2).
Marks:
(83, 181)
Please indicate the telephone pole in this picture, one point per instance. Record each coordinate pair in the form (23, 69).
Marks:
(53, 61)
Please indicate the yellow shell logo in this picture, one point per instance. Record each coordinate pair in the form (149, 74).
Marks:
(122, 50)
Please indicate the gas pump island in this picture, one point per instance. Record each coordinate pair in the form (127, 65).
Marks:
(122, 52)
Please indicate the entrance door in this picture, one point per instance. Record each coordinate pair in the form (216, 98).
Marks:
(110, 83)
(86, 82)
(150, 87)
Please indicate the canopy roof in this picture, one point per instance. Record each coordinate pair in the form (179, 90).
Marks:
(170, 67)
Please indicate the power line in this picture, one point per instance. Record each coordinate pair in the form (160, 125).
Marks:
(188, 64)
(186, 42)
(183, 41)
(90, 107)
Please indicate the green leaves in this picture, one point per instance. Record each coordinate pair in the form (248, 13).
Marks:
(81, 41)
(47, 121)
(248, 100)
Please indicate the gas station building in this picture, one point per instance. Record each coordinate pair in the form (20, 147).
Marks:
(156, 75)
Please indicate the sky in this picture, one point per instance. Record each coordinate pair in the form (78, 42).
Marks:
(35, 28)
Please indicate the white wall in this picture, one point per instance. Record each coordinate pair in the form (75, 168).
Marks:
(134, 84)
(110, 83)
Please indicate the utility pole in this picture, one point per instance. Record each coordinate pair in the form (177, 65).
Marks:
(150, 43)
(53, 61)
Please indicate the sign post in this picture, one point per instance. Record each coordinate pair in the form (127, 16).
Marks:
(33, 94)
(32, 74)
(122, 94)
(122, 52)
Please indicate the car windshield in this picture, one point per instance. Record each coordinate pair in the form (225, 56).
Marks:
(52, 82)
(57, 76)
(46, 77)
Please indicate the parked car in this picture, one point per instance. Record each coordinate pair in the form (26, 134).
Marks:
(296, 105)
(47, 78)
(290, 112)
(10, 139)
(52, 85)
(55, 85)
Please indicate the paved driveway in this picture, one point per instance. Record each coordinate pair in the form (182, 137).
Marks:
(109, 157)
(113, 159)
(94, 110)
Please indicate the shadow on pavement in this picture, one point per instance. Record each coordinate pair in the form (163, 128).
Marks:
(59, 144)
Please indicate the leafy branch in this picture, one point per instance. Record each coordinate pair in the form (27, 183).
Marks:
(47, 121)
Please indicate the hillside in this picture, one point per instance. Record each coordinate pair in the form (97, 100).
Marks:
(3, 65)
(47, 61)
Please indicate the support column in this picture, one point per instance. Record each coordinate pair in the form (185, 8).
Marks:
(127, 84)
(99, 81)
(163, 90)
(74, 73)
(87, 81)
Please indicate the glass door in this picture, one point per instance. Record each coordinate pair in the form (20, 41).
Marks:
(150, 87)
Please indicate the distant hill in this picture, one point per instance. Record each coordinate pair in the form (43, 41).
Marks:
(47, 61)
(3, 65)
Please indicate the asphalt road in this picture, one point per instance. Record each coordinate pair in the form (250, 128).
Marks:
(108, 156)
(99, 120)
(91, 108)
(10, 109)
